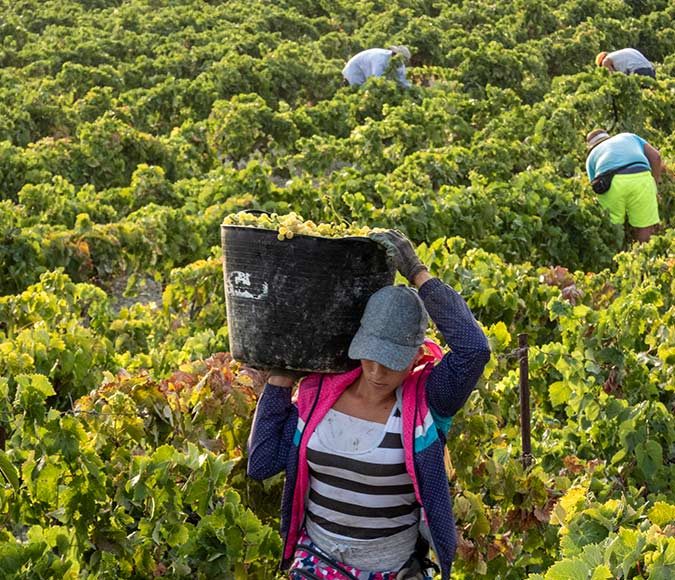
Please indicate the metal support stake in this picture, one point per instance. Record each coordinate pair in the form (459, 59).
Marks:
(525, 401)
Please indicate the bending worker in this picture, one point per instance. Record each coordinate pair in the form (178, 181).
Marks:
(375, 62)
(366, 491)
(627, 60)
(637, 167)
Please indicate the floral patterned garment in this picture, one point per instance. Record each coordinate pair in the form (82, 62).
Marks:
(311, 563)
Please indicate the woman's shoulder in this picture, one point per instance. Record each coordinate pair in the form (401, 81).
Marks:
(310, 384)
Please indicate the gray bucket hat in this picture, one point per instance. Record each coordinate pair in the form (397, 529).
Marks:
(392, 328)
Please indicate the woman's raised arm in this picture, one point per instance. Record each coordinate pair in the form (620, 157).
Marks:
(274, 425)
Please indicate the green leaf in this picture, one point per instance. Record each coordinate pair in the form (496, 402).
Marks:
(220, 467)
(32, 388)
(559, 393)
(602, 572)
(580, 311)
(626, 549)
(46, 484)
(177, 534)
(662, 514)
(582, 532)
(618, 457)
(593, 555)
(568, 504)
(663, 563)
(649, 457)
(198, 495)
(568, 570)
(9, 471)
(486, 295)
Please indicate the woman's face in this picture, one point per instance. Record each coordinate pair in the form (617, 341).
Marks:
(381, 378)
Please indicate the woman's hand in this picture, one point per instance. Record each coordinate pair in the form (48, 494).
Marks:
(283, 377)
(402, 254)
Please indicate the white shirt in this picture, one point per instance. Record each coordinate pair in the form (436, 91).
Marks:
(371, 62)
(361, 507)
(627, 60)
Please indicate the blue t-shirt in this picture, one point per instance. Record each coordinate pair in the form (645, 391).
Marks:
(615, 152)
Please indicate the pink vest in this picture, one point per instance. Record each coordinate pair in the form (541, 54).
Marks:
(415, 415)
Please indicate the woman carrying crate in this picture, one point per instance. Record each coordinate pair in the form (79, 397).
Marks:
(366, 490)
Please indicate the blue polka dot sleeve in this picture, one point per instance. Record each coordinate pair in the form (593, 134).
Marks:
(450, 383)
(274, 424)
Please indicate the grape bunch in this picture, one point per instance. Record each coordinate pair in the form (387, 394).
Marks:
(293, 224)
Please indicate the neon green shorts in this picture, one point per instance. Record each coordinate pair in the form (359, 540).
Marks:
(633, 194)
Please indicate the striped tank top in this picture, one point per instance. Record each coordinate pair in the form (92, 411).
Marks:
(361, 506)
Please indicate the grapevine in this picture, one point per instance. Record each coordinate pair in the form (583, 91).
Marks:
(131, 131)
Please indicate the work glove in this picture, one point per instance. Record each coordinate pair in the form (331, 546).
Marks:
(401, 252)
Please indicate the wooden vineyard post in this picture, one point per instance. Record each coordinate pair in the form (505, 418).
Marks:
(525, 401)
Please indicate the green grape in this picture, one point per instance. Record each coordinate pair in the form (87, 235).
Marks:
(292, 224)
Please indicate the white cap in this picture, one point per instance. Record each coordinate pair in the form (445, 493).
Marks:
(597, 138)
(402, 50)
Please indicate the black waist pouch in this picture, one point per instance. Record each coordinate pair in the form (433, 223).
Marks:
(602, 182)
